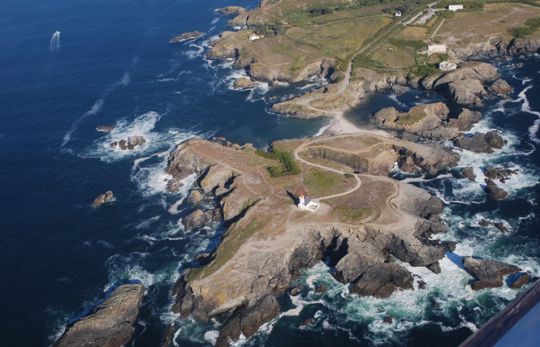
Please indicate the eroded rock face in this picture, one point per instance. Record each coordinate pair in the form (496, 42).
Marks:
(464, 85)
(104, 198)
(110, 324)
(467, 91)
(488, 273)
(382, 281)
(481, 142)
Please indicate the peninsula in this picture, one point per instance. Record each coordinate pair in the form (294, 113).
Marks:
(367, 225)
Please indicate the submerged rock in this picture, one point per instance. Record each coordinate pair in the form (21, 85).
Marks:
(104, 198)
(110, 324)
(130, 143)
(500, 174)
(468, 173)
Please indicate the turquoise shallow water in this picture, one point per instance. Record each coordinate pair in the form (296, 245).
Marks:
(113, 65)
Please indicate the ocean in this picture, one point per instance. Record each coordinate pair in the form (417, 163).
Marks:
(111, 63)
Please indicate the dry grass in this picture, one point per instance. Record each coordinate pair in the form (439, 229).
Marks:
(477, 26)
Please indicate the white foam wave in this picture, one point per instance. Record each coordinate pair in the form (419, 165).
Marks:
(196, 52)
(96, 107)
(100, 102)
(145, 224)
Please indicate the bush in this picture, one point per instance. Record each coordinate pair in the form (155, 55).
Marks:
(530, 27)
(288, 165)
(425, 70)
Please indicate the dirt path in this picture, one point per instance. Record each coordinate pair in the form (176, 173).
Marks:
(302, 160)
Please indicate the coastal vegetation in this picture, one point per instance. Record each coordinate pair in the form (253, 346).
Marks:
(287, 164)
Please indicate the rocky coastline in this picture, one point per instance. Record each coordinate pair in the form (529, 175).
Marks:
(268, 241)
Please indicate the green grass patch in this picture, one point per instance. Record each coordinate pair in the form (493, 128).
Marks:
(415, 44)
(415, 115)
(424, 70)
(321, 183)
(288, 165)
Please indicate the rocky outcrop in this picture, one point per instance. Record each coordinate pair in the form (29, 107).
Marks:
(244, 83)
(481, 142)
(110, 324)
(196, 219)
(466, 92)
(468, 173)
(464, 85)
(104, 198)
(494, 192)
(501, 174)
(501, 87)
(191, 35)
(194, 197)
(474, 70)
(248, 321)
(428, 121)
(487, 273)
(231, 10)
(130, 143)
(517, 46)
(465, 120)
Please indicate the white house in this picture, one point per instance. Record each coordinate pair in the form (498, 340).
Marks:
(305, 203)
(455, 8)
(437, 48)
(254, 37)
(398, 14)
(447, 66)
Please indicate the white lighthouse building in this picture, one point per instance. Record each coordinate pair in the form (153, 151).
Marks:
(305, 203)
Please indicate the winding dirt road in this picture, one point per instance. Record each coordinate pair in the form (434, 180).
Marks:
(319, 166)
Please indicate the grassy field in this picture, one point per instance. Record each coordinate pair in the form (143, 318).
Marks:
(496, 19)
(322, 183)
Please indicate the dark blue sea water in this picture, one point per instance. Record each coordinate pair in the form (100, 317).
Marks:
(114, 65)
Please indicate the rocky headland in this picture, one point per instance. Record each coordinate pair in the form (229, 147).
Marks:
(111, 323)
(367, 222)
